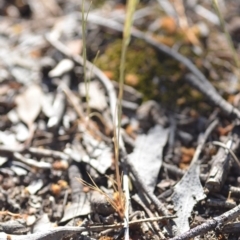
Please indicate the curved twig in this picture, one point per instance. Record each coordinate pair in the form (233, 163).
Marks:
(220, 144)
(60, 232)
(197, 78)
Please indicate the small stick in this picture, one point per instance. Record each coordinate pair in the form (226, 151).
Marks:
(138, 199)
(48, 153)
(235, 191)
(17, 215)
(207, 89)
(177, 172)
(6, 150)
(225, 146)
(203, 141)
(219, 170)
(221, 162)
(231, 228)
(220, 204)
(127, 203)
(32, 162)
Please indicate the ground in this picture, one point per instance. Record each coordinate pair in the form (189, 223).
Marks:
(176, 141)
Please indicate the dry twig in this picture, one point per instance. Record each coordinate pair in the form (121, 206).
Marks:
(197, 78)
(60, 232)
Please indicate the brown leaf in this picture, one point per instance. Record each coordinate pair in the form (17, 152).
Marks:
(29, 104)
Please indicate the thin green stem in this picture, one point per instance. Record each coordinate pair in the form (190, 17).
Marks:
(131, 6)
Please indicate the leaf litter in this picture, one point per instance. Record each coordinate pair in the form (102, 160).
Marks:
(148, 152)
(186, 194)
(54, 132)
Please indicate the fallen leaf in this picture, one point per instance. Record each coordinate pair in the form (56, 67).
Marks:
(148, 152)
(29, 104)
(76, 209)
(42, 223)
(187, 193)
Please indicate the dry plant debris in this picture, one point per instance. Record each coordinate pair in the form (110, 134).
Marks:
(179, 129)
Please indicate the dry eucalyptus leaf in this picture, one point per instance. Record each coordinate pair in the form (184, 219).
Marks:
(77, 209)
(148, 152)
(29, 104)
(42, 223)
(187, 193)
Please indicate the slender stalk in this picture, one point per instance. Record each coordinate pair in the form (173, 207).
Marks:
(131, 6)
